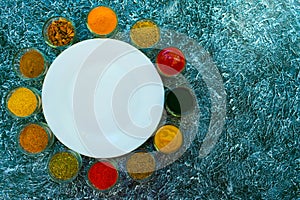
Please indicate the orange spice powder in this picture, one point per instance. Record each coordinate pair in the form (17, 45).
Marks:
(33, 138)
(102, 20)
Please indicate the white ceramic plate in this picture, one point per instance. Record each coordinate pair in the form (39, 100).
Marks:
(102, 98)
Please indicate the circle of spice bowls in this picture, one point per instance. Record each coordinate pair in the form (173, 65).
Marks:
(59, 32)
(26, 67)
(34, 138)
(19, 106)
(102, 175)
(64, 166)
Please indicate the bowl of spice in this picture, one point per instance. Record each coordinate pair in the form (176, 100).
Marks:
(102, 21)
(59, 32)
(64, 166)
(168, 139)
(23, 102)
(102, 175)
(140, 166)
(179, 101)
(144, 33)
(170, 61)
(30, 64)
(34, 138)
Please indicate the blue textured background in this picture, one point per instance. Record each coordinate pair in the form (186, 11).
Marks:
(254, 43)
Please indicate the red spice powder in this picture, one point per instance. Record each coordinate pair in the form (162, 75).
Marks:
(170, 61)
(103, 175)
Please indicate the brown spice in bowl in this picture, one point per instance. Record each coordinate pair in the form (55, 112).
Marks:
(61, 32)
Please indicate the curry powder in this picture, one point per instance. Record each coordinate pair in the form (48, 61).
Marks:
(33, 138)
(32, 64)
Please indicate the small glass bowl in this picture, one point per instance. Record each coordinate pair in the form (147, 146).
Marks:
(170, 62)
(49, 135)
(138, 37)
(68, 26)
(175, 147)
(111, 164)
(179, 101)
(11, 101)
(104, 35)
(78, 158)
(148, 176)
(17, 64)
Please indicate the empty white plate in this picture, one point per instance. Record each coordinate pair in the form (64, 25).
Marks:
(102, 98)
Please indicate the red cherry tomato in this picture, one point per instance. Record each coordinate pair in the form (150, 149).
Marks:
(170, 61)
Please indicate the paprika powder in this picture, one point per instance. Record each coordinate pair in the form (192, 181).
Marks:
(102, 175)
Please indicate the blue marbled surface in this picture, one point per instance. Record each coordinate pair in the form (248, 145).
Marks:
(255, 45)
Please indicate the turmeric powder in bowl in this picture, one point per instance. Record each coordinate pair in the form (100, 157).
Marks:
(102, 21)
(23, 102)
(168, 139)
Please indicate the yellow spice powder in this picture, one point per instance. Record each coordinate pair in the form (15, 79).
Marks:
(22, 102)
(168, 139)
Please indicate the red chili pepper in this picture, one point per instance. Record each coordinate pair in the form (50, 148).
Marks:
(170, 61)
(103, 175)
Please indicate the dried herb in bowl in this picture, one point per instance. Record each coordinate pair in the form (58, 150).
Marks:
(64, 166)
(58, 32)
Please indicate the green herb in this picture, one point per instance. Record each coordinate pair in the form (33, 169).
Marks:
(63, 166)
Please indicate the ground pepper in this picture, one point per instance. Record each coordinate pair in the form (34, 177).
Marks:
(102, 175)
(63, 166)
(140, 165)
(102, 20)
(168, 139)
(60, 32)
(32, 64)
(22, 102)
(33, 138)
(145, 33)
